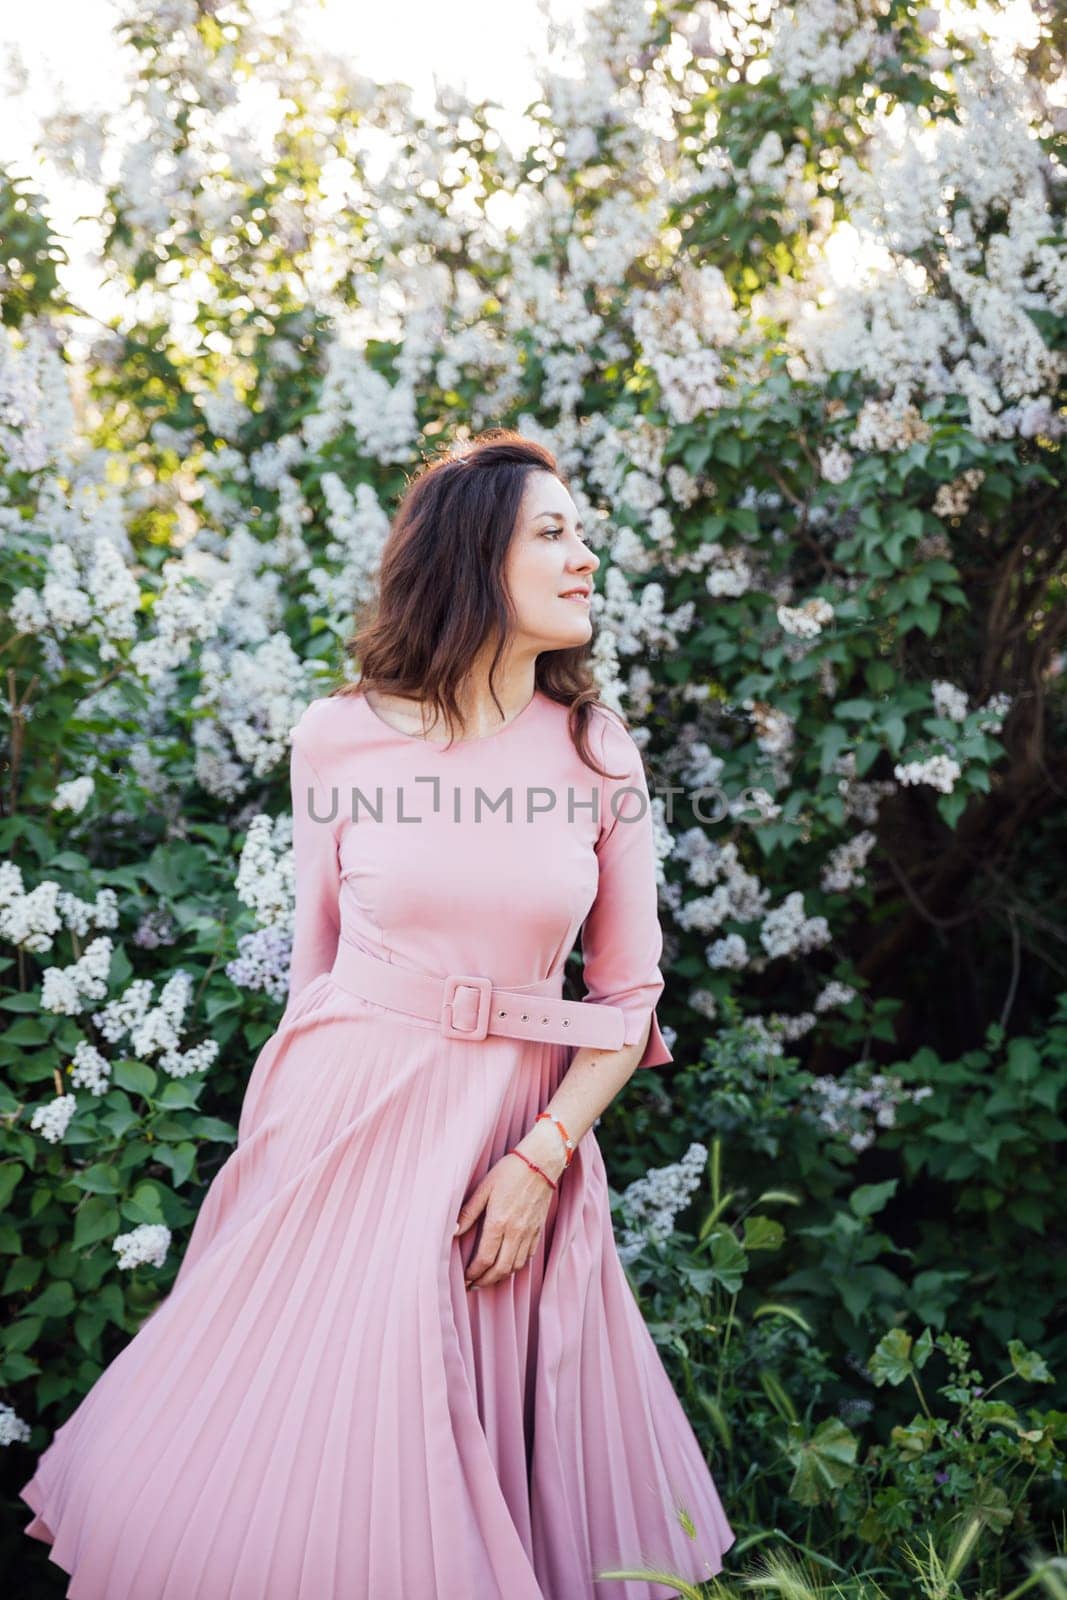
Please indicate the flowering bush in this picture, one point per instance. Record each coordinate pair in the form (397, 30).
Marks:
(784, 289)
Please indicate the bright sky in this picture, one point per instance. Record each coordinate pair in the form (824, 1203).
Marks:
(481, 47)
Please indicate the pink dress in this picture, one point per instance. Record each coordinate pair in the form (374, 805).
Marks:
(319, 1410)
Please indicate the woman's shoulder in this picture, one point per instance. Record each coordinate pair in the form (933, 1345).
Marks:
(324, 726)
(612, 739)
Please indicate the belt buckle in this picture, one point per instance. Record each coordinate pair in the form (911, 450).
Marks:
(460, 981)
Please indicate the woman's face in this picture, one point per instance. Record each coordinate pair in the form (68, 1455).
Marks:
(546, 558)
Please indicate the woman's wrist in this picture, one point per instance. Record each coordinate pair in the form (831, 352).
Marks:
(542, 1143)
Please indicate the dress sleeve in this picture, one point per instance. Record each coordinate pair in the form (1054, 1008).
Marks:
(621, 938)
(316, 866)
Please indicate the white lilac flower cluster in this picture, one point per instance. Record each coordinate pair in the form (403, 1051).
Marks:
(155, 1030)
(78, 915)
(682, 328)
(940, 771)
(262, 961)
(651, 1204)
(833, 994)
(806, 621)
(27, 920)
(738, 897)
(952, 702)
(731, 952)
(359, 525)
(67, 990)
(74, 795)
(640, 623)
(787, 930)
(185, 613)
(264, 880)
(843, 867)
(357, 399)
(893, 424)
(700, 768)
(860, 797)
(825, 41)
(949, 701)
(52, 1119)
(145, 1245)
(990, 717)
(13, 1430)
(36, 414)
(157, 927)
(265, 884)
(704, 1003)
(708, 862)
(835, 463)
(854, 1106)
(730, 572)
(95, 596)
(969, 193)
(255, 696)
(785, 1028)
(90, 1070)
(682, 486)
(759, 800)
(775, 728)
(954, 499)
(31, 920)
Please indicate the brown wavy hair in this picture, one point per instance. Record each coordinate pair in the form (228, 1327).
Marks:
(441, 592)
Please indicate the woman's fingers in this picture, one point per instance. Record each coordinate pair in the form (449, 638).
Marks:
(471, 1209)
(486, 1252)
(511, 1255)
(503, 1265)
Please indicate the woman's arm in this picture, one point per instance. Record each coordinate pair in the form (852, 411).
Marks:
(622, 944)
(316, 867)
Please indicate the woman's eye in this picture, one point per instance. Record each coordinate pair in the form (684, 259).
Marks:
(553, 530)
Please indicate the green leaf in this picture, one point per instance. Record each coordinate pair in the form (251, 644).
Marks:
(180, 1094)
(180, 1158)
(28, 1031)
(728, 449)
(891, 1361)
(763, 1233)
(695, 455)
(923, 1348)
(856, 710)
(136, 1077)
(880, 676)
(145, 1204)
(927, 617)
(832, 741)
(823, 1463)
(21, 1002)
(952, 806)
(728, 1259)
(99, 1179)
(871, 1197)
(55, 1301)
(895, 730)
(1024, 1060)
(10, 1173)
(1028, 1364)
(97, 1218)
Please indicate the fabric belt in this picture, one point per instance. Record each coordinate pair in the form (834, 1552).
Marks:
(470, 1006)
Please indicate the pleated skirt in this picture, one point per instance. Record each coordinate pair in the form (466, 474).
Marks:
(320, 1410)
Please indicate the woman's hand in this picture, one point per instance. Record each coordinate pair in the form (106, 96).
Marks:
(515, 1201)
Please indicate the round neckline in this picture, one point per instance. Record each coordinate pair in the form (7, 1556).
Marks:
(457, 744)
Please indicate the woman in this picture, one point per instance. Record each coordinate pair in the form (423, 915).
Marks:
(401, 1360)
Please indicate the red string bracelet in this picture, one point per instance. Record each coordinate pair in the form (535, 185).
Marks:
(532, 1164)
(568, 1142)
